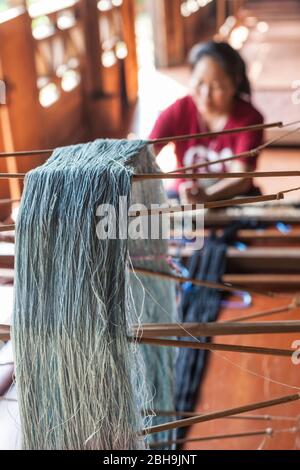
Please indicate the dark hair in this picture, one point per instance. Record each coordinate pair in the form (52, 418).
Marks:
(228, 58)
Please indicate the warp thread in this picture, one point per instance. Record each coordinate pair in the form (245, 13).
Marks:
(80, 381)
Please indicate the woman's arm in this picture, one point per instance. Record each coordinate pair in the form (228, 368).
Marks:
(164, 126)
(227, 188)
(192, 192)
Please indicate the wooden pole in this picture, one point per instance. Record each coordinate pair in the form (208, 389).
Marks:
(161, 444)
(193, 176)
(256, 127)
(221, 414)
(222, 175)
(213, 346)
(5, 336)
(250, 417)
(219, 328)
(198, 282)
(165, 140)
(207, 205)
(4, 332)
(266, 313)
(251, 153)
(4, 202)
(7, 228)
(26, 153)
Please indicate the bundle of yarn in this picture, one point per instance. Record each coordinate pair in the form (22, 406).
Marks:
(81, 383)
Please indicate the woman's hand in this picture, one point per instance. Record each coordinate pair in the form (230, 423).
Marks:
(191, 192)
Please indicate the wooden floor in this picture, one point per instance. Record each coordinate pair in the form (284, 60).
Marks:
(233, 380)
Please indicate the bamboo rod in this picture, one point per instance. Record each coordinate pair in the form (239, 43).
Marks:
(156, 330)
(221, 414)
(246, 234)
(194, 176)
(7, 228)
(250, 417)
(221, 175)
(4, 176)
(182, 208)
(213, 204)
(216, 437)
(219, 328)
(207, 205)
(213, 346)
(164, 140)
(4, 333)
(200, 283)
(25, 153)
(266, 313)
(195, 207)
(4, 202)
(250, 154)
(267, 432)
(256, 127)
(192, 207)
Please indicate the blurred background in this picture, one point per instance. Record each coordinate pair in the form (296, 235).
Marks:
(75, 70)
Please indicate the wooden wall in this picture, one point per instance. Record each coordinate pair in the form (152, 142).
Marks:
(175, 34)
(94, 45)
(41, 47)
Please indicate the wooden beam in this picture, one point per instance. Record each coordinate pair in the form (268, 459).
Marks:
(221, 414)
(4, 332)
(168, 32)
(220, 13)
(273, 282)
(218, 329)
(216, 437)
(152, 332)
(7, 261)
(197, 282)
(130, 63)
(258, 234)
(92, 66)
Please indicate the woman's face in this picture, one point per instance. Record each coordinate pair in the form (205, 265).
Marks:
(212, 89)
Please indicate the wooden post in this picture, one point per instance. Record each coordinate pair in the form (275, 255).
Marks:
(168, 32)
(7, 188)
(17, 60)
(220, 13)
(92, 63)
(20, 118)
(130, 63)
(235, 7)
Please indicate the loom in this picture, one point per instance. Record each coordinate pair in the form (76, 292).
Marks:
(153, 335)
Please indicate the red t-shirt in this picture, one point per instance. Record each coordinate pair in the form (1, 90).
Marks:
(183, 118)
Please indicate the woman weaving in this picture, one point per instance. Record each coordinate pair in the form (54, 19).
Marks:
(220, 99)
